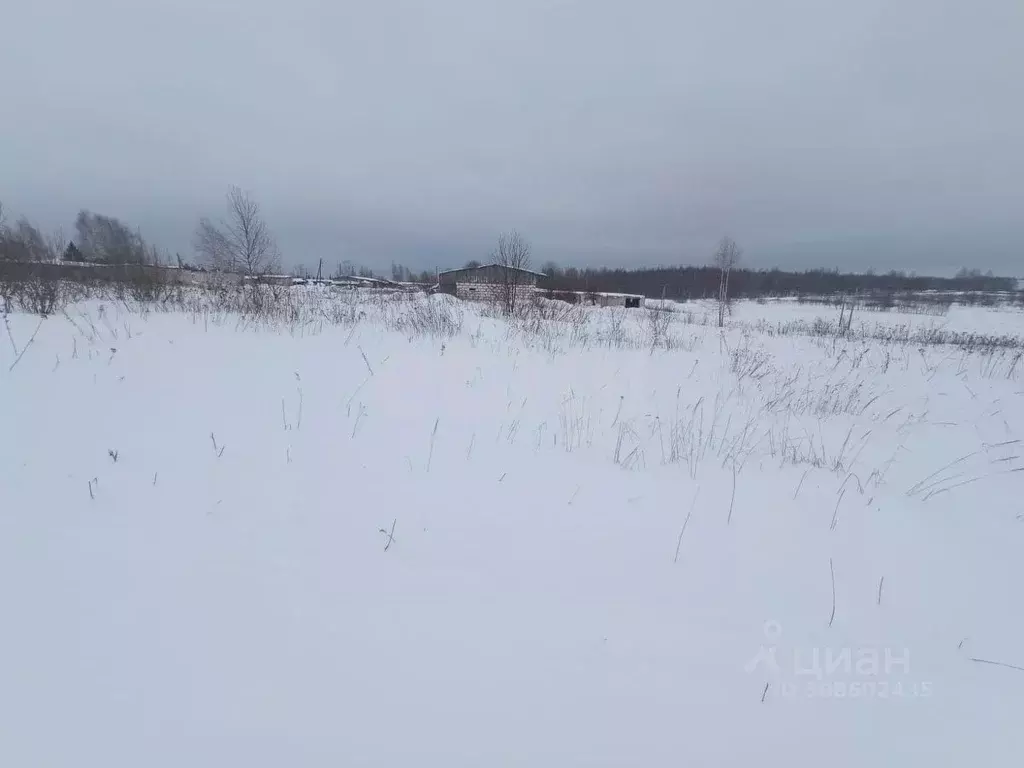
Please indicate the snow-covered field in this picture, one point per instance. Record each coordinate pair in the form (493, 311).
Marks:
(397, 531)
(996, 320)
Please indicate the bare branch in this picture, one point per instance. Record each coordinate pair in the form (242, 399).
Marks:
(725, 258)
(832, 570)
(513, 258)
(107, 240)
(728, 254)
(213, 246)
(22, 242)
(57, 243)
(240, 243)
(997, 663)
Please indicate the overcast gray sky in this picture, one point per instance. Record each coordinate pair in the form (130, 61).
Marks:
(850, 133)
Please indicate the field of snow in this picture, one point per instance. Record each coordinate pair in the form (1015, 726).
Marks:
(402, 531)
(1005, 319)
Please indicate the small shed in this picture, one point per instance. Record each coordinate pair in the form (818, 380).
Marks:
(488, 282)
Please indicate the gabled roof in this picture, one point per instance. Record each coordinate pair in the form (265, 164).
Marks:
(489, 266)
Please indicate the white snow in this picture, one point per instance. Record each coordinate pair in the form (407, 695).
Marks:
(603, 550)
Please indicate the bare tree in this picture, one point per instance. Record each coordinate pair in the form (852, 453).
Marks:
(512, 259)
(240, 243)
(107, 240)
(399, 273)
(57, 244)
(23, 242)
(4, 235)
(727, 256)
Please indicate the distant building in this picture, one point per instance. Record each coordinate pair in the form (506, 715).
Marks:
(628, 300)
(488, 282)
(599, 298)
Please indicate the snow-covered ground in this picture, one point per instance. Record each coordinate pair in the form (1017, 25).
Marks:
(405, 532)
(1003, 319)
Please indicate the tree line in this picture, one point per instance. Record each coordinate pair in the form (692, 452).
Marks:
(241, 241)
(98, 239)
(706, 281)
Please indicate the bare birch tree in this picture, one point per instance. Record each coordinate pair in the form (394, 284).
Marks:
(512, 259)
(23, 242)
(3, 233)
(727, 256)
(107, 240)
(241, 242)
(57, 244)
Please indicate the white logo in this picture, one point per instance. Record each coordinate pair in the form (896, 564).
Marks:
(772, 633)
(863, 672)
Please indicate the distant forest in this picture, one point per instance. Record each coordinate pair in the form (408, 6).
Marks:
(697, 282)
(106, 240)
(691, 282)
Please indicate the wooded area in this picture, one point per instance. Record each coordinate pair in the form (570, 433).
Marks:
(696, 282)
